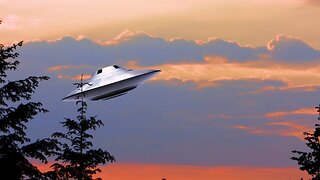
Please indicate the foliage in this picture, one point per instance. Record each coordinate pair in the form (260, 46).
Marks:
(77, 160)
(310, 161)
(15, 146)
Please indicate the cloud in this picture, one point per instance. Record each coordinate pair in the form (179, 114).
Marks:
(291, 50)
(277, 128)
(215, 69)
(301, 111)
(149, 50)
(252, 130)
(124, 36)
(65, 67)
(76, 77)
(189, 62)
(205, 64)
(292, 129)
(299, 88)
(71, 70)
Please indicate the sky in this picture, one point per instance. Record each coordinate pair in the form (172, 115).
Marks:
(238, 84)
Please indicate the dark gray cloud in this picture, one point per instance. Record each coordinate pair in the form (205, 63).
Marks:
(148, 50)
(292, 50)
(142, 48)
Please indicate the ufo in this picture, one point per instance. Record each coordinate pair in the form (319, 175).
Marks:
(110, 82)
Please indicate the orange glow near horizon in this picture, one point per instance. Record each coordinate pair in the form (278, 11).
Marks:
(124, 171)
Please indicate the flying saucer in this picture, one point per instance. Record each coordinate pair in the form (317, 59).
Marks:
(110, 82)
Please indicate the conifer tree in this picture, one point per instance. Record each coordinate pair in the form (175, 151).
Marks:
(16, 110)
(77, 159)
(310, 161)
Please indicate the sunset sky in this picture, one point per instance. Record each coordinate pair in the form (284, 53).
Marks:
(239, 81)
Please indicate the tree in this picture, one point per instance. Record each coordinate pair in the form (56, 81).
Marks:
(310, 161)
(76, 159)
(16, 111)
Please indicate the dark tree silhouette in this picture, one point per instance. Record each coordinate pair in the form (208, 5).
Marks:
(16, 111)
(310, 161)
(76, 159)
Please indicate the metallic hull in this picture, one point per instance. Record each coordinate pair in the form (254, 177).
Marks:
(112, 90)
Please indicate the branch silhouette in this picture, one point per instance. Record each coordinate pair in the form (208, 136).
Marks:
(16, 110)
(310, 161)
(76, 158)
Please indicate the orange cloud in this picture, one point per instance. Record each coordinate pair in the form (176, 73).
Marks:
(77, 77)
(64, 67)
(278, 128)
(254, 130)
(301, 111)
(302, 88)
(214, 69)
(292, 129)
(121, 171)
